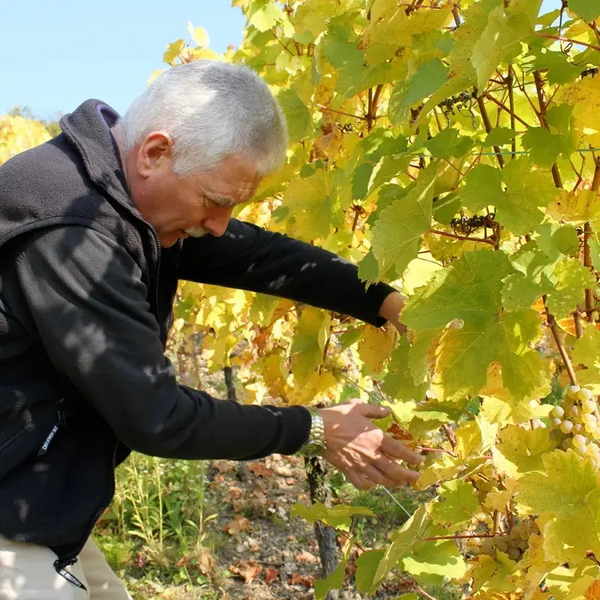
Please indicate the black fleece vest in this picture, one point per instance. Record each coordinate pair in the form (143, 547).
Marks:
(75, 178)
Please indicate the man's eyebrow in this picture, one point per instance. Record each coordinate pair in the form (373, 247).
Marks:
(221, 200)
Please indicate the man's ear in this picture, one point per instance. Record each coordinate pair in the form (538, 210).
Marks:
(154, 152)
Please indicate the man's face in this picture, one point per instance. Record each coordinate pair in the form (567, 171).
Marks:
(197, 205)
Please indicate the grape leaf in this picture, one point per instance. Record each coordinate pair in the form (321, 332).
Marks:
(457, 502)
(299, 120)
(399, 383)
(449, 143)
(470, 290)
(588, 10)
(264, 14)
(375, 347)
(521, 451)
(546, 147)
(413, 531)
(334, 582)
(367, 564)
(560, 70)
(570, 279)
(495, 574)
(309, 341)
(566, 492)
(309, 205)
(434, 562)
(527, 189)
(499, 136)
(505, 29)
(339, 516)
(483, 187)
(555, 240)
(429, 78)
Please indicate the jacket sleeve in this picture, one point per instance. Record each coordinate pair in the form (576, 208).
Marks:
(88, 302)
(250, 258)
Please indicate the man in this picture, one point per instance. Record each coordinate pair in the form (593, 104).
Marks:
(96, 228)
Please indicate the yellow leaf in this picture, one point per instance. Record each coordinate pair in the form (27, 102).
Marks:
(173, 51)
(199, 35)
(375, 347)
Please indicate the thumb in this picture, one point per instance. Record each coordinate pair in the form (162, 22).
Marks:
(372, 411)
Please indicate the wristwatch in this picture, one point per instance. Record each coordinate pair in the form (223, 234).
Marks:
(316, 439)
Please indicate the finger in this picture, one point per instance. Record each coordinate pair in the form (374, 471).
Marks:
(372, 411)
(359, 481)
(396, 473)
(395, 449)
(374, 474)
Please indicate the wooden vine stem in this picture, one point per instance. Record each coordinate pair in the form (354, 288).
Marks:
(551, 321)
(590, 301)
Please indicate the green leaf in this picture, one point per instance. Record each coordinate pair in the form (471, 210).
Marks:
(366, 568)
(264, 14)
(527, 189)
(470, 289)
(448, 144)
(588, 10)
(334, 582)
(555, 240)
(456, 504)
(404, 540)
(435, 562)
(396, 236)
(546, 147)
(339, 516)
(297, 116)
(429, 78)
(499, 136)
(560, 70)
(199, 35)
(483, 187)
(505, 29)
(368, 269)
(570, 279)
(398, 383)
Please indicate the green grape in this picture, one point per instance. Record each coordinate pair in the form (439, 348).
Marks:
(558, 412)
(579, 441)
(556, 422)
(575, 411)
(566, 426)
(589, 406)
(585, 394)
(514, 554)
(573, 390)
(577, 427)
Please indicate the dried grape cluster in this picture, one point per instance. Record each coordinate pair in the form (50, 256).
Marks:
(576, 423)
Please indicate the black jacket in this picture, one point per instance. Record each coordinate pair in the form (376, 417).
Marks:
(86, 295)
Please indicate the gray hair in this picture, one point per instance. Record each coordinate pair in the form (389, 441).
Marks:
(211, 110)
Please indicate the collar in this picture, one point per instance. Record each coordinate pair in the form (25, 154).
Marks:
(88, 130)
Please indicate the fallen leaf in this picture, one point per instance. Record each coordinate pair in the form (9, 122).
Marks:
(305, 580)
(248, 571)
(306, 557)
(238, 525)
(206, 562)
(224, 466)
(260, 469)
(271, 574)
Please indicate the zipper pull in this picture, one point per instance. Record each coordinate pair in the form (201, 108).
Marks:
(59, 567)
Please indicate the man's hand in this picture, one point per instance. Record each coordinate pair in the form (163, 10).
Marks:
(362, 451)
(391, 308)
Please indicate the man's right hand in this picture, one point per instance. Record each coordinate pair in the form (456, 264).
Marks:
(359, 449)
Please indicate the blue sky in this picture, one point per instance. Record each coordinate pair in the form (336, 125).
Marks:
(57, 54)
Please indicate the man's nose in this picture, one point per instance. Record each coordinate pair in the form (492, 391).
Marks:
(217, 225)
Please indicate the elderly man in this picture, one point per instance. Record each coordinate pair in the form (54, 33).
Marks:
(96, 228)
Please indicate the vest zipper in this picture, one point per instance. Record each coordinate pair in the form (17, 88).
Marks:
(61, 563)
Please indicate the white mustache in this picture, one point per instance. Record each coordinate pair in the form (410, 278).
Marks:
(196, 232)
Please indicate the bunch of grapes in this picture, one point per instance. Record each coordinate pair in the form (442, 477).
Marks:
(576, 423)
(513, 543)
